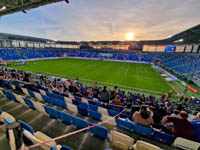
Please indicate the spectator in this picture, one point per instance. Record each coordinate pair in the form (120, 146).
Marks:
(181, 126)
(175, 113)
(105, 95)
(197, 117)
(116, 101)
(143, 117)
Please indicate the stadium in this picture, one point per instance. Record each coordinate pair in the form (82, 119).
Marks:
(99, 94)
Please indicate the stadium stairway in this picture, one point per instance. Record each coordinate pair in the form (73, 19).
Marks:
(54, 128)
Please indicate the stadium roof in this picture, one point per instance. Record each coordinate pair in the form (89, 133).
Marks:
(23, 38)
(13, 6)
(191, 35)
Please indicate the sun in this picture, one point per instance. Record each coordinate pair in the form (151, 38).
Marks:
(129, 36)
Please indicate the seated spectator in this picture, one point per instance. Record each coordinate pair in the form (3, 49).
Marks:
(197, 117)
(181, 126)
(175, 113)
(116, 101)
(143, 117)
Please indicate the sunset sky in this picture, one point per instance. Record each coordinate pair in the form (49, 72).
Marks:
(93, 20)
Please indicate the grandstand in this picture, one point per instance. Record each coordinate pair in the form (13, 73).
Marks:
(103, 95)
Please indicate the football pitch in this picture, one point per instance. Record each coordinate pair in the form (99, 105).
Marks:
(135, 75)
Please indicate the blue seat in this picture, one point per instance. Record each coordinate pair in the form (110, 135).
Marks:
(78, 98)
(83, 105)
(142, 130)
(80, 123)
(65, 148)
(124, 124)
(66, 118)
(35, 89)
(95, 115)
(31, 93)
(0, 112)
(82, 111)
(52, 112)
(100, 132)
(93, 107)
(47, 99)
(61, 104)
(53, 148)
(126, 115)
(112, 113)
(76, 102)
(116, 109)
(196, 124)
(92, 102)
(9, 95)
(29, 103)
(7, 121)
(163, 137)
(60, 97)
(26, 126)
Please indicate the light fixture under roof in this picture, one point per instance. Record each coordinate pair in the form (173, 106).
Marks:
(3, 8)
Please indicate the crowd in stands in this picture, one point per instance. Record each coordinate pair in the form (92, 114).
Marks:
(155, 112)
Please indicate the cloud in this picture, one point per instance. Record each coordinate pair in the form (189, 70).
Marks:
(105, 20)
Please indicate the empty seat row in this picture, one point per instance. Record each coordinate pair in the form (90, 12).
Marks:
(98, 131)
(30, 137)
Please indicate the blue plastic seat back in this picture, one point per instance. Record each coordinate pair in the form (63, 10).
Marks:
(196, 124)
(78, 98)
(95, 115)
(61, 104)
(7, 121)
(124, 124)
(82, 111)
(31, 93)
(65, 148)
(142, 130)
(33, 88)
(100, 132)
(116, 109)
(93, 107)
(66, 118)
(26, 126)
(52, 112)
(9, 94)
(53, 148)
(76, 102)
(80, 123)
(60, 97)
(47, 99)
(92, 102)
(112, 113)
(29, 103)
(163, 137)
(126, 115)
(0, 111)
(84, 105)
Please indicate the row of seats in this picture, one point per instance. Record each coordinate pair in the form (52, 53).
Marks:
(156, 135)
(98, 131)
(138, 129)
(85, 109)
(30, 137)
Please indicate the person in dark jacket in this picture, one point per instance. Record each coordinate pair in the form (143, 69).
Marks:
(105, 95)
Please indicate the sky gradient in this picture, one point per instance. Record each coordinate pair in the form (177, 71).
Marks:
(101, 20)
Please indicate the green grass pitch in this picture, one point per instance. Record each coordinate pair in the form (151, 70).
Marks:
(120, 73)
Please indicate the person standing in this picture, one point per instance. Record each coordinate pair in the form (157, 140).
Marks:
(105, 95)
